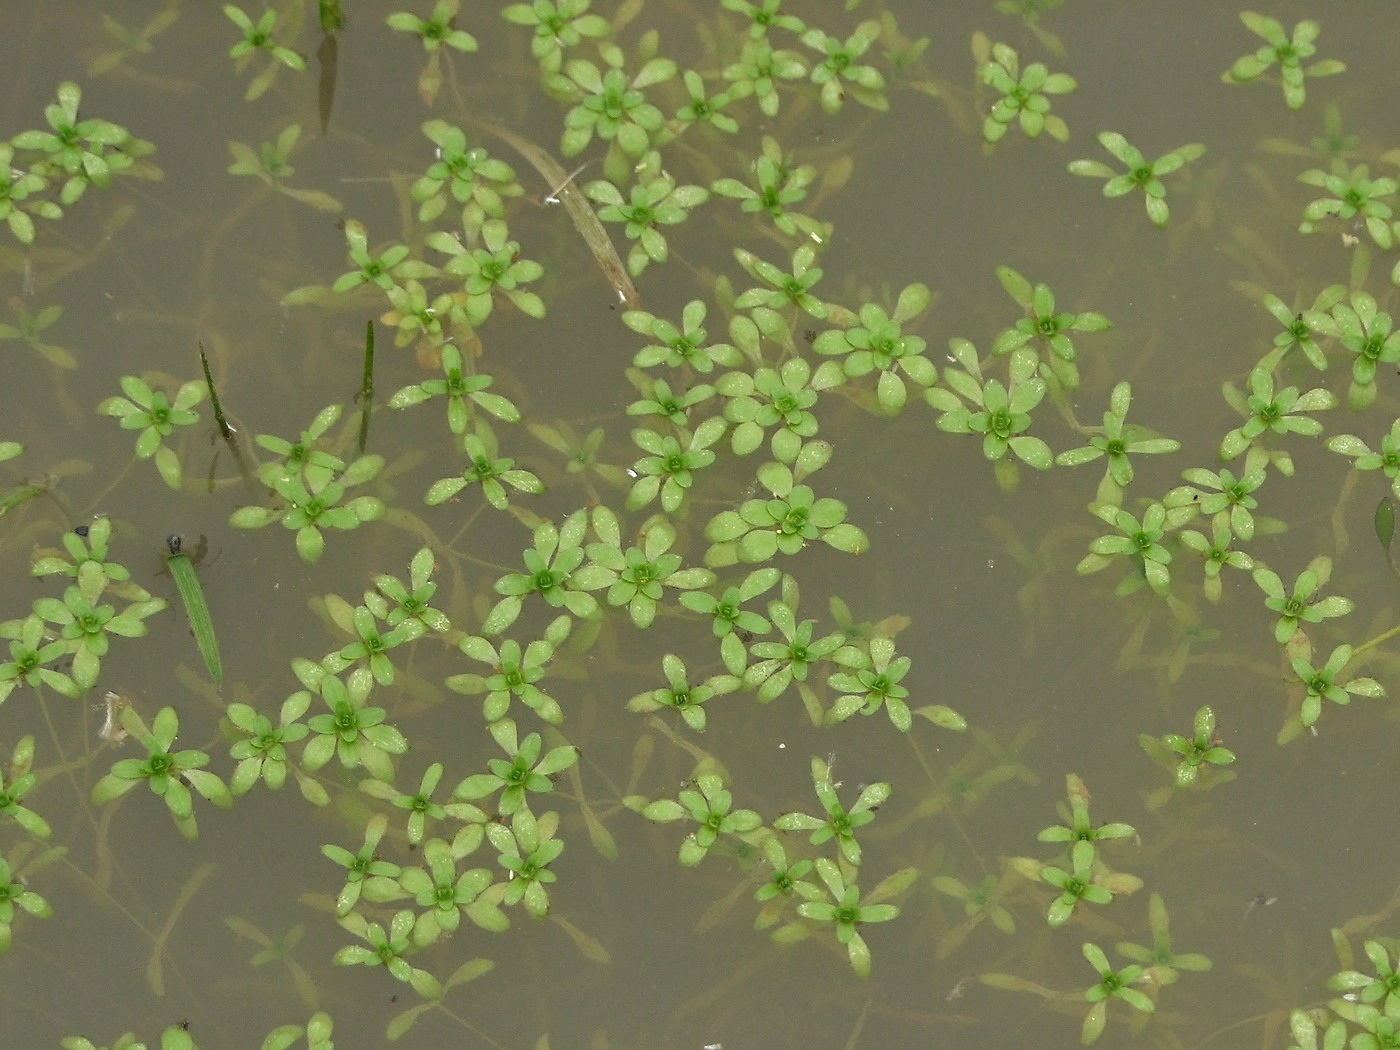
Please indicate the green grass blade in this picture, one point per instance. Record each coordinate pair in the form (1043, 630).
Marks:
(367, 386)
(197, 609)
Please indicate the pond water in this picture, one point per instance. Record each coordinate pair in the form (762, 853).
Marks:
(969, 573)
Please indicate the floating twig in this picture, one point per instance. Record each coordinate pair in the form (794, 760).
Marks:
(580, 211)
(230, 435)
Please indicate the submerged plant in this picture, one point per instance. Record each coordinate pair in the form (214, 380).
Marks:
(1079, 830)
(526, 771)
(85, 625)
(1141, 175)
(156, 416)
(1266, 410)
(469, 176)
(759, 71)
(272, 164)
(1226, 499)
(978, 903)
(459, 389)
(168, 774)
(487, 470)
(526, 850)
(354, 733)
(779, 663)
(259, 38)
(1303, 605)
(784, 289)
(1381, 987)
(379, 270)
(558, 25)
(840, 70)
(1217, 553)
(1162, 964)
(309, 510)
(669, 469)
(1366, 332)
(848, 910)
(710, 804)
(1354, 195)
(387, 948)
(420, 805)
(608, 102)
(680, 346)
(364, 867)
(1074, 886)
(970, 404)
(652, 202)
(877, 344)
(446, 894)
(13, 892)
(550, 566)
(80, 153)
(765, 16)
(173, 1038)
(1321, 684)
(30, 325)
(838, 823)
(1387, 460)
(636, 577)
(1191, 755)
(1300, 327)
(16, 781)
(787, 882)
(263, 754)
(767, 399)
(872, 683)
(1117, 441)
(777, 184)
(370, 645)
(786, 522)
(730, 619)
(1042, 327)
(1112, 984)
(16, 187)
(1137, 539)
(515, 673)
(493, 269)
(411, 600)
(1023, 95)
(29, 652)
(1288, 52)
(679, 695)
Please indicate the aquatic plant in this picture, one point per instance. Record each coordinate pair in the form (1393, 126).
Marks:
(756, 309)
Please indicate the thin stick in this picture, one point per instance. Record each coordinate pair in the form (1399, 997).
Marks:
(553, 196)
(229, 434)
(580, 211)
(224, 428)
(367, 385)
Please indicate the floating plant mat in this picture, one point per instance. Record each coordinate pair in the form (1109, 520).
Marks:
(739, 524)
